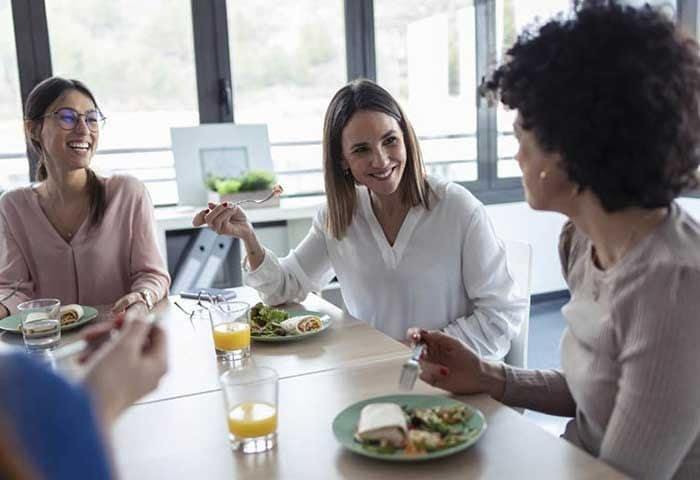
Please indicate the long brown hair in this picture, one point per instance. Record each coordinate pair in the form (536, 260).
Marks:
(38, 101)
(359, 95)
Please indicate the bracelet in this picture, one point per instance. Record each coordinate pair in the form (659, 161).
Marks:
(136, 302)
(147, 298)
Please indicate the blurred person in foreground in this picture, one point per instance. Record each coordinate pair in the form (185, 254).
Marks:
(54, 429)
(74, 235)
(609, 129)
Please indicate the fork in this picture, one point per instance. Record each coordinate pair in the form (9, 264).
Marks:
(276, 191)
(410, 369)
(76, 347)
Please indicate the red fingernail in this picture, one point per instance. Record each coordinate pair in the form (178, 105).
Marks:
(444, 371)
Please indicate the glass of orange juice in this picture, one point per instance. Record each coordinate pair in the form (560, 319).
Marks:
(231, 330)
(250, 396)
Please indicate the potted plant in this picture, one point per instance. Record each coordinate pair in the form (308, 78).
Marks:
(253, 185)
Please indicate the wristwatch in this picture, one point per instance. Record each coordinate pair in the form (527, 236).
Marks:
(147, 297)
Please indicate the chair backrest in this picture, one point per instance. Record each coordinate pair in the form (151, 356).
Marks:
(519, 257)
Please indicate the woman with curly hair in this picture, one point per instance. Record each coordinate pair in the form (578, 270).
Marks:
(609, 130)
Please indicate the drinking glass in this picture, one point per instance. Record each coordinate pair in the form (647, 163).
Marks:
(41, 323)
(231, 330)
(250, 396)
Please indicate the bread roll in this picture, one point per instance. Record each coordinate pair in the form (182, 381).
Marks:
(383, 422)
(301, 324)
(71, 314)
(34, 316)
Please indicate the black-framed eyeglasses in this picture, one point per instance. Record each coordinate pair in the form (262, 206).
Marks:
(68, 118)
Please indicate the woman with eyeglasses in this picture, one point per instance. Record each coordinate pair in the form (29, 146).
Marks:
(74, 235)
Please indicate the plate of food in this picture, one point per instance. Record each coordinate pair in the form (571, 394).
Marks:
(408, 428)
(72, 316)
(270, 324)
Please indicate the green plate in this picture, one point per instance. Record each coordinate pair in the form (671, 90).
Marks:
(12, 323)
(325, 323)
(345, 425)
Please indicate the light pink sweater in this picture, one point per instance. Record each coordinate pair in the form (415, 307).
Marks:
(98, 266)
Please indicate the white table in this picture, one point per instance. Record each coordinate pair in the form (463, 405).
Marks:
(187, 438)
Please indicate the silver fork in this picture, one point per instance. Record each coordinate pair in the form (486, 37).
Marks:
(276, 190)
(410, 369)
(76, 347)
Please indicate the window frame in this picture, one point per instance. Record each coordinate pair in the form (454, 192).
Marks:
(213, 71)
(33, 53)
(216, 95)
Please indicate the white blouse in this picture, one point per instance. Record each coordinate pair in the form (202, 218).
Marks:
(447, 270)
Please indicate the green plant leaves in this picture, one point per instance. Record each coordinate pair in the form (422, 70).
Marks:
(252, 181)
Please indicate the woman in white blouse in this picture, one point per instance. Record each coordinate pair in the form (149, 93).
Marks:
(407, 249)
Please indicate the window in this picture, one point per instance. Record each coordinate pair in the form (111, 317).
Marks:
(511, 17)
(14, 170)
(286, 65)
(138, 59)
(287, 59)
(426, 57)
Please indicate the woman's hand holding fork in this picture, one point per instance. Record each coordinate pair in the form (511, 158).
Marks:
(231, 220)
(224, 219)
(449, 364)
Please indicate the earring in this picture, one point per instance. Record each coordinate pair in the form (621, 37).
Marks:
(543, 174)
(347, 172)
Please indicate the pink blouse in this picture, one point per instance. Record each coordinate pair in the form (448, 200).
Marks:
(97, 266)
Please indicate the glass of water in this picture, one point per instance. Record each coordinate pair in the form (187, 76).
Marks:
(41, 323)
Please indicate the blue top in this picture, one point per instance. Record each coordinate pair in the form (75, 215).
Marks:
(53, 420)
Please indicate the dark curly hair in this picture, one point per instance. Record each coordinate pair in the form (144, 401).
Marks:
(616, 91)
